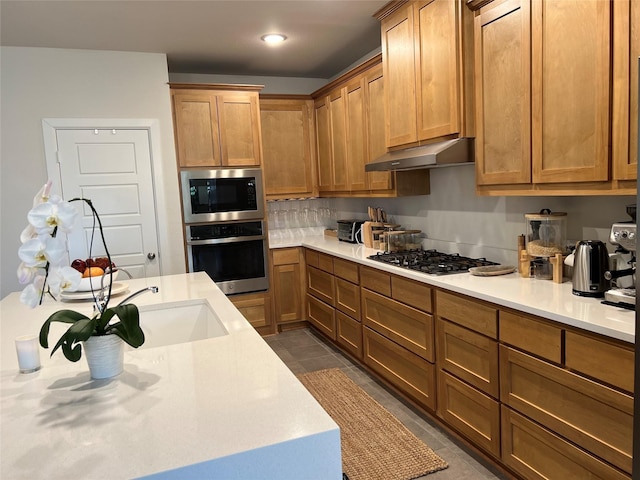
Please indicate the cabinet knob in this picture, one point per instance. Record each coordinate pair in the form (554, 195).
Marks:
(151, 256)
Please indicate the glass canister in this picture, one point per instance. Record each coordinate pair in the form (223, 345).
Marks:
(546, 233)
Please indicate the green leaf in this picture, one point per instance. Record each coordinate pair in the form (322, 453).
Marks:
(104, 320)
(128, 329)
(63, 316)
(80, 331)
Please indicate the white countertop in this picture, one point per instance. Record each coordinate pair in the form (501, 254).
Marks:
(224, 407)
(544, 298)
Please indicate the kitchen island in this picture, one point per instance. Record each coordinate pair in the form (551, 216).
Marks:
(221, 407)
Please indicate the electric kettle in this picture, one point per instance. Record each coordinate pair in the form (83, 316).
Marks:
(590, 262)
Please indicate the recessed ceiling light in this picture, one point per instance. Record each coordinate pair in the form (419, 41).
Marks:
(273, 38)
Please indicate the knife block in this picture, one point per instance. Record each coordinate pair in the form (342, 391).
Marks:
(367, 232)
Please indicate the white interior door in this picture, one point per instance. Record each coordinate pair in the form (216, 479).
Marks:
(112, 168)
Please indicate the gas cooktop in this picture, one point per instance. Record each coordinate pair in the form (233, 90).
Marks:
(431, 261)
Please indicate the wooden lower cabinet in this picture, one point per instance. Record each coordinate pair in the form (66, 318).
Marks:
(321, 284)
(321, 316)
(536, 453)
(349, 334)
(288, 285)
(601, 359)
(471, 412)
(407, 326)
(595, 417)
(468, 355)
(405, 370)
(347, 298)
(256, 308)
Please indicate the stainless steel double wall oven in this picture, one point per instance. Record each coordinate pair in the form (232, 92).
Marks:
(225, 230)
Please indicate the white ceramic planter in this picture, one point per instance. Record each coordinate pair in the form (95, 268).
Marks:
(105, 355)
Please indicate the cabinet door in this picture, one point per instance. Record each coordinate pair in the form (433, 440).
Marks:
(256, 308)
(239, 121)
(288, 167)
(503, 94)
(196, 128)
(403, 369)
(437, 77)
(398, 59)
(356, 145)
(375, 125)
(535, 452)
(626, 50)
(288, 292)
(323, 145)
(593, 416)
(571, 81)
(338, 126)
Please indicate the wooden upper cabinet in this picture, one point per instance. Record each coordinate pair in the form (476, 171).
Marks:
(626, 50)
(556, 97)
(338, 125)
(437, 77)
(323, 145)
(571, 55)
(216, 125)
(375, 127)
(422, 45)
(196, 129)
(398, 60)
(287, 147)
(503, 93)
(356, 145)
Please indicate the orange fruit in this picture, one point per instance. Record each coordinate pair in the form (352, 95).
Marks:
(93, 272)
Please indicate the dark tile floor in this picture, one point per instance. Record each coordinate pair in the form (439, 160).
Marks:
(305, 351)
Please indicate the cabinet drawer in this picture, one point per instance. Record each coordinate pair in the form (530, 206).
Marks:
(347, 270)
(349, 334)
(601, 359)
(376, 280)
(319, 260)
(325, 262)
(468, 355)
(404, 325)
(412, 293)
(475, 415)
(321, 285)
(405, 370)
(322, 316)
(535, 452)
(348, 298)
(532, 335)
(468, 313)
(285, 256)
(593, 416)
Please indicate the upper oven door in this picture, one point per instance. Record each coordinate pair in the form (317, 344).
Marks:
(222, 195)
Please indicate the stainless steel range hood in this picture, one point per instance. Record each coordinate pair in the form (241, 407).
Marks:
(458, 151)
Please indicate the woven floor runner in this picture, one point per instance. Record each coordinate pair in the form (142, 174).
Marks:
(375, 445)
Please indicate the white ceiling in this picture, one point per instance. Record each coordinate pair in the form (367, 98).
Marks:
(205, 36)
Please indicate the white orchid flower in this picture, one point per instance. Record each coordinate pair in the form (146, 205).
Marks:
(43, 194)
(40, 250)
(27, 274)
(63, 279)
(32, 293)
(45, 217)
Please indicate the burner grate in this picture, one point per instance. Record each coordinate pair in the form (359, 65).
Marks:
(431, 261)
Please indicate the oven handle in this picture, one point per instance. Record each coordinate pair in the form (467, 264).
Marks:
(218, 241)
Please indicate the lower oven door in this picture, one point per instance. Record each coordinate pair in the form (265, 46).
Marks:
(237, 265)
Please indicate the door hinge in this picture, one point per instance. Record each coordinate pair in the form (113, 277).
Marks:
(58, 157)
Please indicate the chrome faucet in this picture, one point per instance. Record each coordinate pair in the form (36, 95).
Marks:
(153, 289)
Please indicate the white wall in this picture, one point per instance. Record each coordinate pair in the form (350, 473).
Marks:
(454, 219)
(37, 83)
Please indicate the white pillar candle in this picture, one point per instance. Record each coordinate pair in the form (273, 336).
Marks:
(28, 352)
